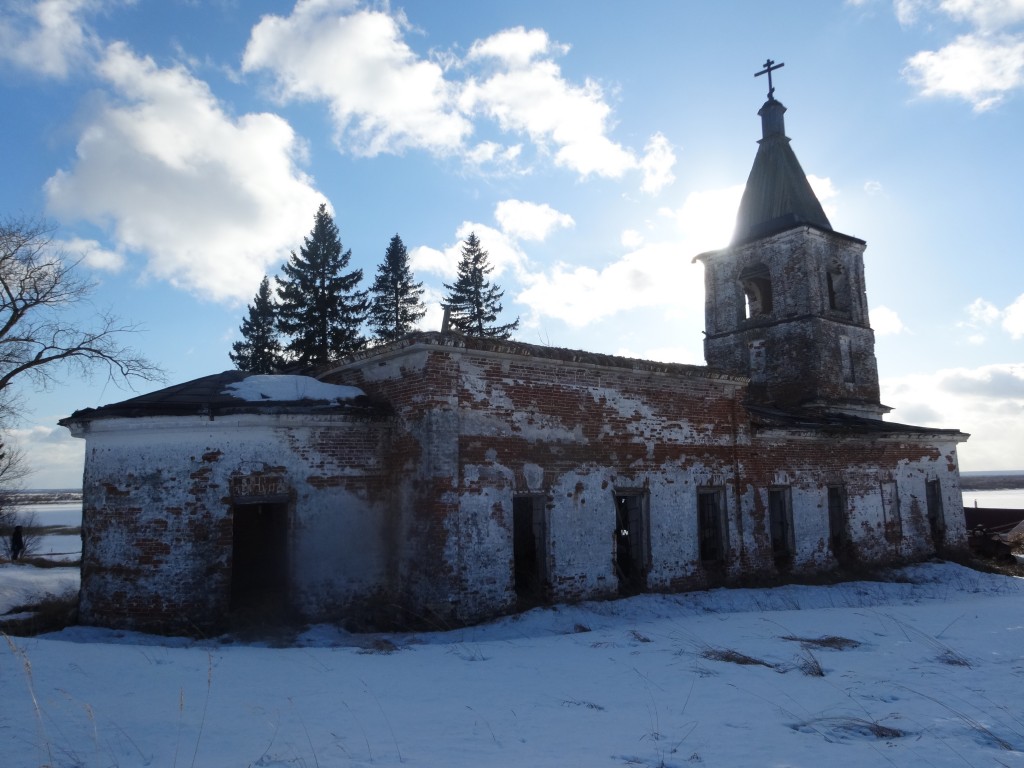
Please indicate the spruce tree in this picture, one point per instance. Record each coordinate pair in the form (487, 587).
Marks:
(395, 300)
(474, 304)
(259, 351)
(320, 309)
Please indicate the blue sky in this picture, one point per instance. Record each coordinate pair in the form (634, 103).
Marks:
(182, 147)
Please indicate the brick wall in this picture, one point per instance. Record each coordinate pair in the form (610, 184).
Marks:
(482, 422)
(407, 519)
(158, 500)
(818, 305)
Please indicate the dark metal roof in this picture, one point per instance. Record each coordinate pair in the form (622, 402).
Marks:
(206, 396)
(836, 423)
(777, 196)
(993, 519)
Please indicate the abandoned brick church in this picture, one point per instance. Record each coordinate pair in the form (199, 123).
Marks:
(446, 479)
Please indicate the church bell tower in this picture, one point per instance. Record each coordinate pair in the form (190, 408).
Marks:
(785, 303)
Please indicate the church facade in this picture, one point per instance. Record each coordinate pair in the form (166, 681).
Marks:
(444, 479)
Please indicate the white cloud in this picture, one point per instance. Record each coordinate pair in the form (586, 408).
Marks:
(212, 201)
(907, 11)
(433, 319)
(527, 94)
(503, 252)
(516, 47)
(985, 14)
(653, 275)
(1013, 318)
(504, 256)
(656, 275)
(93, 254)
(649, 275)
(979, 69)
(707, 219)
(657, 164)
(982, 312)
(873, 187)
(54, 457)
(529, 221)
(886, 322)
(47, 37)
(498, 157)
(826, 193)
(990, 381)
(423, 258)
(631, 239)
(383, 98)
(986, 402)
(386, 98)
(981, 66)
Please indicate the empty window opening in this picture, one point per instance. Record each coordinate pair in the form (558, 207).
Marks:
(780, 515)
(756, 285)
(711, 525)
(529, 548)
(757, 298)
(259, 562)
(838, 289)
(936, 518)
(892, 513)
(631, 542)
(838, 535)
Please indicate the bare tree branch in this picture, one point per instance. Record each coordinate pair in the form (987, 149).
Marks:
(43, 336)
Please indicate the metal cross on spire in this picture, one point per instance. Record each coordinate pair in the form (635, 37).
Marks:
(769, 65)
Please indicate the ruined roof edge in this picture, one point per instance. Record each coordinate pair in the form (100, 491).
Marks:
(793, 227)
(455, 340)
(819, 420)
(206, 396)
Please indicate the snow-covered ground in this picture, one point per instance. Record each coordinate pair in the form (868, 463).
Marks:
(927, 669)
(22, 585)
(1003, 498)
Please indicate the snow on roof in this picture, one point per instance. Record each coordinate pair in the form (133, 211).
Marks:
(282, 388)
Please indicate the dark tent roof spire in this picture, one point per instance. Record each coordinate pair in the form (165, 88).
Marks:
(777, 196)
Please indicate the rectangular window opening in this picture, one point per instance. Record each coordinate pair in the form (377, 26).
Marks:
(837, 521)
(936, 517)
(892, 512)
(780, 515)
(711, 524)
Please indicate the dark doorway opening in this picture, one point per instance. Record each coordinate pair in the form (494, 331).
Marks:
(838, 531)
(259, 562)
(529, 549)
(780, 516)
(631, 537)
(936, 518)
